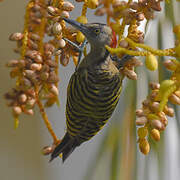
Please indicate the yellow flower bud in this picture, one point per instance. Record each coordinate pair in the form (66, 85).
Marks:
(144, 146)
(151, 62)
(92, 4)
(75, 60)
(60, 155)
(142, 132)
(152, 116)
(165, 85)
(80, 37)
(16, 122)
(116, 27)
(82, 19)
(155, 134)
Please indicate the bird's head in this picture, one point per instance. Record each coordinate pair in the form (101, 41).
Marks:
(97, 34)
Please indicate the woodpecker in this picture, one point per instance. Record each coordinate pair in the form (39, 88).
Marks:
(93, 90)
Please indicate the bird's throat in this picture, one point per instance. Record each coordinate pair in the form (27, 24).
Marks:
(99, 53)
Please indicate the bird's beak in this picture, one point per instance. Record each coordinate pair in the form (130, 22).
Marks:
(81, 27)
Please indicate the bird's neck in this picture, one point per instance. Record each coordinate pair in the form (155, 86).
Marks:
(98, 52)
(96, 56)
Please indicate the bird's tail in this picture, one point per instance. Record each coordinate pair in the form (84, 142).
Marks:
(66, 147)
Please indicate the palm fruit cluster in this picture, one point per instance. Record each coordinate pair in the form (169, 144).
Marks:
(153, 115)
(36, 71)
(152, 119)
(155, 109)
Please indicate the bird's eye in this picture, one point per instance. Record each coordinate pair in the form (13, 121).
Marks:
(97, 31)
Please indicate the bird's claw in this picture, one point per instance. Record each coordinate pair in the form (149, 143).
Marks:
(121, 62)
(80, 48)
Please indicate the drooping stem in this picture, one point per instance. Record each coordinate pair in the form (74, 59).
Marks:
(45, 117)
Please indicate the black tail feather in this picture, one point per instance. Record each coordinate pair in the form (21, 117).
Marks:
(66, 147)
(67, 151)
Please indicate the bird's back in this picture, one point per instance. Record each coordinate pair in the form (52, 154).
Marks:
(93, 93)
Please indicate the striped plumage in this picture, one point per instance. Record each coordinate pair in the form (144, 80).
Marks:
(93, 91)
(93, 94)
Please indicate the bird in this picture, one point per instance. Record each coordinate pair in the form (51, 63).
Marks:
(93, 90)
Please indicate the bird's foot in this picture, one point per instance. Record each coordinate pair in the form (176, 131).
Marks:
(121, 62)
(79, 48)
